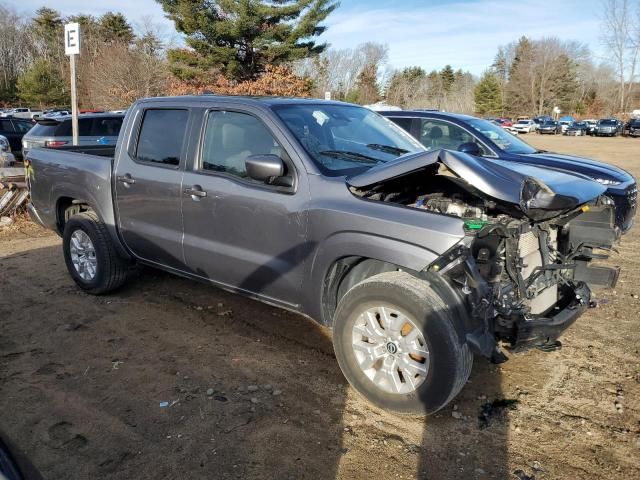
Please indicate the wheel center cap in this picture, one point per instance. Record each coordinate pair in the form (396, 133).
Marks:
(392, 348)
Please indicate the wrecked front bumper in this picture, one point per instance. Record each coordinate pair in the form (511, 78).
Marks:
(543, 332)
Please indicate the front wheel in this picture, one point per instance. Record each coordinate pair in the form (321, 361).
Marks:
(396, 344)
(90, 256)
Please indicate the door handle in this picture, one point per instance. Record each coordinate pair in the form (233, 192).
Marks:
(196, 192)
(127, 179)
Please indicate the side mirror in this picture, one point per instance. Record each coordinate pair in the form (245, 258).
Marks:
(471, 148)
(264, 168)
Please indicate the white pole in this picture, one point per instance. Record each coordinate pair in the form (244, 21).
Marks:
(74, 101)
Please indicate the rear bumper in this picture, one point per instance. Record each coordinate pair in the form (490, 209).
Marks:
(545, 331)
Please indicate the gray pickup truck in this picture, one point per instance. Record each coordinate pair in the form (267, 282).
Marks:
(417, 260)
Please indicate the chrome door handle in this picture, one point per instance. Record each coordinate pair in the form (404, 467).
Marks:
(195, 191)
(127, 179)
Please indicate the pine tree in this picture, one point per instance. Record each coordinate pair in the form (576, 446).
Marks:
(240, 37)
(41, 85)
(488, 95)
(522, 78)
(367, 85)
(448, 77)
(115, 28)
(48, 30)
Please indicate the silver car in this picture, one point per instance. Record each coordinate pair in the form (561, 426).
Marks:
(54, 132)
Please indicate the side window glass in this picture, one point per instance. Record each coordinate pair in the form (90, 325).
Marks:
(162, 136)
(84, 127)
(231, 137)
(64, 129)
(435, 134)
(106, 127)
(404, 123)
(5, 126)
(22, 127)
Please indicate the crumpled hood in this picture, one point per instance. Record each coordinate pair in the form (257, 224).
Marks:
(591, 168)
(539, 192)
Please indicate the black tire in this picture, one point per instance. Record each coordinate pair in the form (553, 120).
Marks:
(111, 270)
(450, 359)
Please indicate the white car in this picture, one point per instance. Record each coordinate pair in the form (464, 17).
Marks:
(21, 112)
(524, 126)
(564, 124)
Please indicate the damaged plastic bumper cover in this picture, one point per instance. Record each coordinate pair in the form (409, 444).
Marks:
(543, 332)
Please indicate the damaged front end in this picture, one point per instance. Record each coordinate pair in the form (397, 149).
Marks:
(524, 264)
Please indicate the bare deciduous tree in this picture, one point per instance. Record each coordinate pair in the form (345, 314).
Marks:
(337, 71)
(621, 37)
(122, 73)
(16, 52)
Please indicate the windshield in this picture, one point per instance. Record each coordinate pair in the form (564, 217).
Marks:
(343, 139)
(550, 124)
(498, 135)
(607, 122)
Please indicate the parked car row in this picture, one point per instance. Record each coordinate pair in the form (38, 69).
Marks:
(609, 127)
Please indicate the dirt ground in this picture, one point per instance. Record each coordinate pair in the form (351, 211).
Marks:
(255, 393)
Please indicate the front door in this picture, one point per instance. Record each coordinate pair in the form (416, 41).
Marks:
(237, 231)
(148, 186)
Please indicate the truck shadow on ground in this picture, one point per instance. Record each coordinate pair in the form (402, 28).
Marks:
(251, 391)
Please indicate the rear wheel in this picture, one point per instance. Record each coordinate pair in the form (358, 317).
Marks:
(396, 344)
(90, 256)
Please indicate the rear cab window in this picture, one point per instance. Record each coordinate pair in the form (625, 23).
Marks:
(161, 136)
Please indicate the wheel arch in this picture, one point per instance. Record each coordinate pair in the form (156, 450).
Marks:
(354, 256)
(68, 204)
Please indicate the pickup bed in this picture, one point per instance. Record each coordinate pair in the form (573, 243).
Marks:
(417, 260)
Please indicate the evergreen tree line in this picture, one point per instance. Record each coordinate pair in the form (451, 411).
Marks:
(271, 47)
(113, 59)
(535, 76)
(231, 47)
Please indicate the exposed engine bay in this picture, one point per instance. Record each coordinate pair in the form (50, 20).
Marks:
(524, 280)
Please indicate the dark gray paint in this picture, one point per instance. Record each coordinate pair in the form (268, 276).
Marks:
(276, 244)
(498, 179)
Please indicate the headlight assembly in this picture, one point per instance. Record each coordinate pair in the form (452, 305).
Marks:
(606, 181)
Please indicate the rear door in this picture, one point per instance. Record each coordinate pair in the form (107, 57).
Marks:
(148, 182)
(237, 231)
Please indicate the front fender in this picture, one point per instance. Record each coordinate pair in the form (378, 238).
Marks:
(358, 244)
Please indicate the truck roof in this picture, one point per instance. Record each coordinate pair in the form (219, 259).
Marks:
(256, 100)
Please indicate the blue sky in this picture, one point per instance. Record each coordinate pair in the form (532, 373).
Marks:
(427, 33)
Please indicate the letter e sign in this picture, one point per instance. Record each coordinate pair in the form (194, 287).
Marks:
(72, 39)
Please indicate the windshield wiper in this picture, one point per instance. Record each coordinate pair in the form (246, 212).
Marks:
(351, 156)
(387, 148)
(541, 151)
